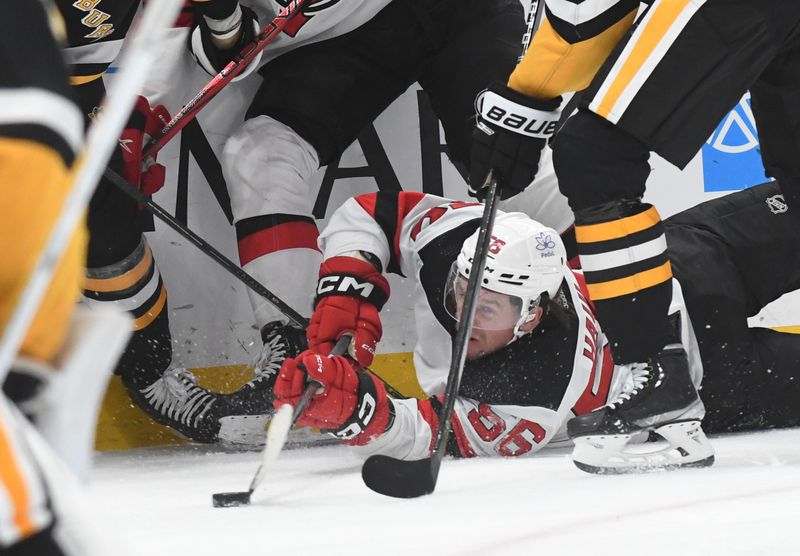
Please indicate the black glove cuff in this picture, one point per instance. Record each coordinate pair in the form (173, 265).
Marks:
(363, 414)
(523, 99)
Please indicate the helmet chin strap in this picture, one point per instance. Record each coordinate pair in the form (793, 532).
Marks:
(525, 316)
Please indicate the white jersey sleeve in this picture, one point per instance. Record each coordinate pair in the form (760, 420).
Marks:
(390, 225)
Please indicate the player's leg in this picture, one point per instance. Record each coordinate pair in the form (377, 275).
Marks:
(40, 134)
(755, 232)
(477, 43)
(26, 517)
(753, 240)
(122, 273)
(313, 104)
(42, 509)
(683, 66)
(663, 91)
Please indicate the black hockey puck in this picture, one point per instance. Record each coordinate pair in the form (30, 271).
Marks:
(230, 499)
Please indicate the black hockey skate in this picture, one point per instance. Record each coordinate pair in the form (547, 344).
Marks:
(174, 399)
(663, 399)
(247, 410)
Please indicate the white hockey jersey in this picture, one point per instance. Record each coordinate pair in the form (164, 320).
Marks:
(513, 401)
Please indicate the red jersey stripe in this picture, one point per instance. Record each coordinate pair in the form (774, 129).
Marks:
(289, 235)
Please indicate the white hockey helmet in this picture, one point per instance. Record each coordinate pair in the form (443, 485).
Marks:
(526, 259)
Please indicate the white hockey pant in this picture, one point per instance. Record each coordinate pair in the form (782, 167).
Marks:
(269, 170)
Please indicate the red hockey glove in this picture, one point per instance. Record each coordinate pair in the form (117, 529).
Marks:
(352, 405)
(144, 123)
(350, 293)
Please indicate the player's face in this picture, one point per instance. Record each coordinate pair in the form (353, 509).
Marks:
(495, 318)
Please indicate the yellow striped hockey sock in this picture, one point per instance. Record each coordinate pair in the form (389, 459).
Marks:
(623, 253)
(135, 285)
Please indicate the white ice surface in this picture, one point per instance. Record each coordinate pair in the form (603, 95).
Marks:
(159, 503)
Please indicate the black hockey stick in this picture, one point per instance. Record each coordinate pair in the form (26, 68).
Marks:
(205, 247)
(410, 479)
(279, 427)
(413, 478)
(531, 24)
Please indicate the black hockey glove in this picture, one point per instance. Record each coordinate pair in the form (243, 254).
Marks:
(511, 132)
(213, 59)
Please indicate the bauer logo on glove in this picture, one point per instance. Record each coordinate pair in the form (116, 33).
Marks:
(511, 131)
(521, 119)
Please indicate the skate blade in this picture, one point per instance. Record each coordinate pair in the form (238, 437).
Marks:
(687, 447)
(640, 469)
(243, 433)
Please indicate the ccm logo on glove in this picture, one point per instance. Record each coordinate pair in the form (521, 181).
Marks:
(344, 284)
(350, 293)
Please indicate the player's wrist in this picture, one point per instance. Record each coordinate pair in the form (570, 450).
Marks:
(227, 29)
(352, 277)
(366, 256)
(217, 39)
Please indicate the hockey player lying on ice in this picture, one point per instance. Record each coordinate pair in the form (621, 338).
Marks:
(536, 356)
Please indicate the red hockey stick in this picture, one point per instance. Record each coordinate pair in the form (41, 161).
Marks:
(234, 68)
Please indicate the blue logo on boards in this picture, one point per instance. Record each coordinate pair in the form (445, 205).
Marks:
(731, 157)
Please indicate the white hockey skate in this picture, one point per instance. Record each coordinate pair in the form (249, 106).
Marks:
(661, 399)
(176, 400)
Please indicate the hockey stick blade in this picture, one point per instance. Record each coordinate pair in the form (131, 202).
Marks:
(399, 478)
